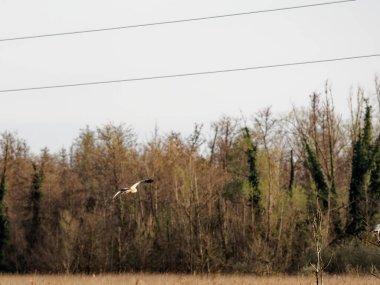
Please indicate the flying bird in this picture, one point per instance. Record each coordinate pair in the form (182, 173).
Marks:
(376, 229)
(133, 188)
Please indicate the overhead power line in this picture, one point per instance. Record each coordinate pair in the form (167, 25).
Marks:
(174, 21)
(190, 74)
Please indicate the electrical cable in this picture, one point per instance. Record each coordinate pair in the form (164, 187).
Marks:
(174, 21)
(191, 74)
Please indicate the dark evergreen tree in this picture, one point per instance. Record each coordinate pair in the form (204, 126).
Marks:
(253, 176)
(361, 168)
(34, 233)
(291, 179)
(4, 224)
(316, 172)
(374, 186)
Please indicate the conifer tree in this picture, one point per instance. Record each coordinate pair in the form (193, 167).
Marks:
(291, 179)
(34, 233)
(374, 186)
(4, 223)
(318, 177)
(253, 176)
(361, 169)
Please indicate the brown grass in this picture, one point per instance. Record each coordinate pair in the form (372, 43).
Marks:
(177, 279)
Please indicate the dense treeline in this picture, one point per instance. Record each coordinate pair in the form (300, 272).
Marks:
(240, 197)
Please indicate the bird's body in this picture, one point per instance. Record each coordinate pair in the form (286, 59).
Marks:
(133, 188)
(376, 229)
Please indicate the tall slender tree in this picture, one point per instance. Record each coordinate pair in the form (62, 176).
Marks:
(374, 184)
(360, 175)
(291, 176)
(253, 175)
(318, 176)
(4, 220)
(34, 232)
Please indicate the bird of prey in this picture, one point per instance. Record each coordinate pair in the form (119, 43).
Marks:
(133, 188)
(376, 229)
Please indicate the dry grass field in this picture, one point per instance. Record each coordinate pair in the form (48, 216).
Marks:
(177, 279)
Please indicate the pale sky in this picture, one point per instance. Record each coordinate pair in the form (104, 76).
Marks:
(53, 117)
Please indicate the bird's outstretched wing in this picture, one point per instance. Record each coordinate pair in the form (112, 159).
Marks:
(120, 191)
(142, 181)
